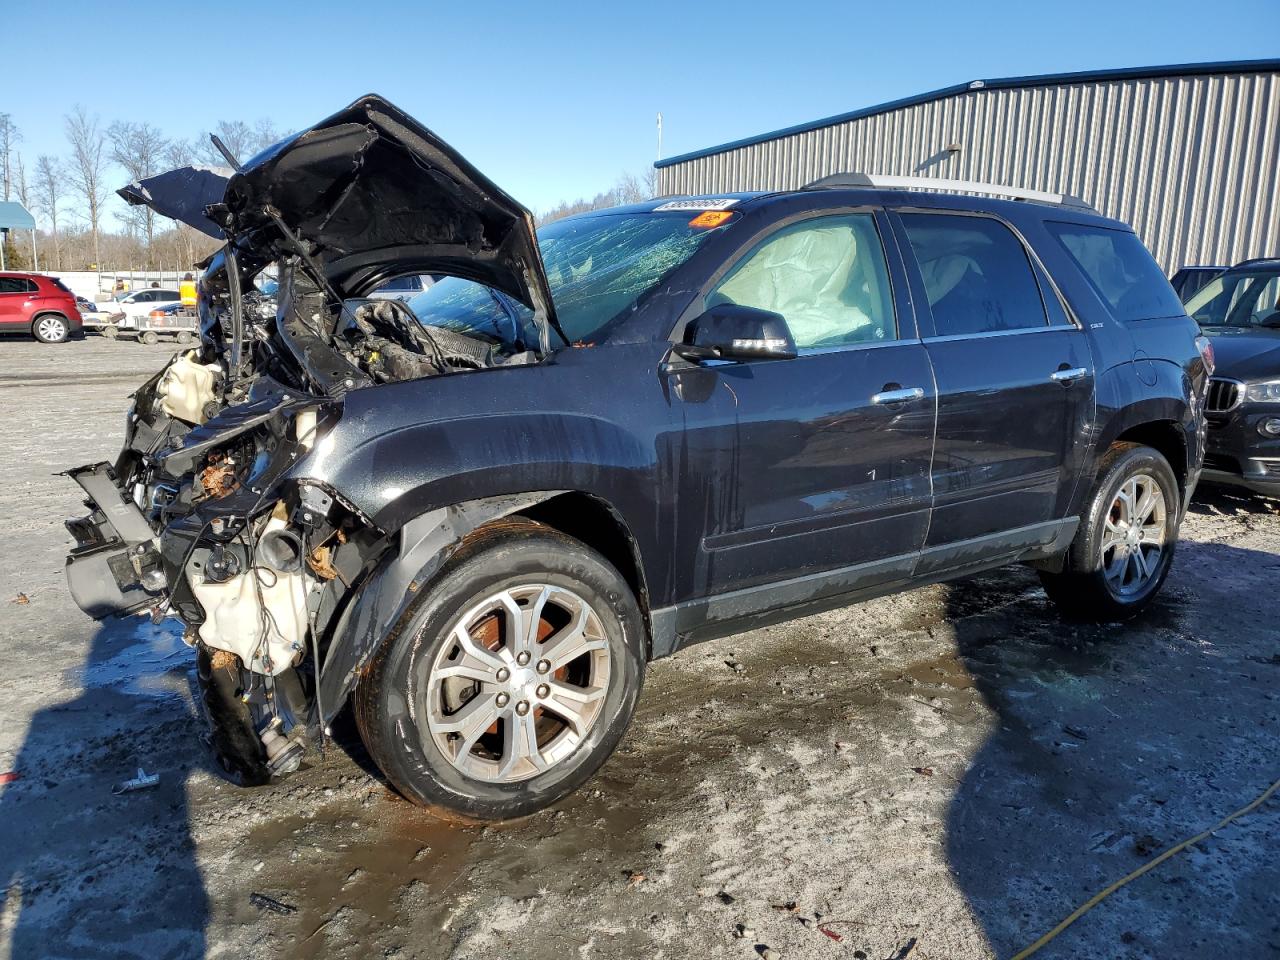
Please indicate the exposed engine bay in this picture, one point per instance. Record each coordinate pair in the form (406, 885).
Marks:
(214, 531)
(212, 512)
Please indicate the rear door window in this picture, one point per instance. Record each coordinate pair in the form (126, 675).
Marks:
(976, 273)
(13, 285)
(1120, 270)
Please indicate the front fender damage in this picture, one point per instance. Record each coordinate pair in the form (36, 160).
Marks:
(425, 544)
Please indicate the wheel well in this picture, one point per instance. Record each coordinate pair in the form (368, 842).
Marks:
(598, 525)
(49, 313)
(1166, 437)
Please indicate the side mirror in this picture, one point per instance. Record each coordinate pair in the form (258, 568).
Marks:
(729, 331)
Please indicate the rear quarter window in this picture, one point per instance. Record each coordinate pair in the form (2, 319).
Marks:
(1120, 270)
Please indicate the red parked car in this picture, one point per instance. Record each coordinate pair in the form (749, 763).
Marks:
(38, 305)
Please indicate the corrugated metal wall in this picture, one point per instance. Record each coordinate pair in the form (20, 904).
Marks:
(1193, 163)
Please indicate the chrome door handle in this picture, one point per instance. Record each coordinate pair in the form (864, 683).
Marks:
(1067, 376)
(898, 396)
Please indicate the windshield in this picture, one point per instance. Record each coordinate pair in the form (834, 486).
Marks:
(598, 267)
(1238, 299)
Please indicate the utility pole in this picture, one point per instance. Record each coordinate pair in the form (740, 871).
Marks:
(659, 134)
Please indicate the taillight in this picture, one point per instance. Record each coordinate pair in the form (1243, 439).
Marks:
(1205, 346)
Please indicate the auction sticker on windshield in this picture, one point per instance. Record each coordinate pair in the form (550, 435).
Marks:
(723, 203)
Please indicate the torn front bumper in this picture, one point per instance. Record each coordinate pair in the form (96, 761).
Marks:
(114, 569)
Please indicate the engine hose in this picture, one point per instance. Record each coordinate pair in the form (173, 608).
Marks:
(1097, 898)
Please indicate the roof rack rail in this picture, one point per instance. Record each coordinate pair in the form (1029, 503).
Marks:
(887, 181)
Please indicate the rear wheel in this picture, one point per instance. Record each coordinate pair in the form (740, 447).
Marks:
(150, 338)
(1124, 547)
(51, 328)
(509, 681)
(184, 337)
(111, 331)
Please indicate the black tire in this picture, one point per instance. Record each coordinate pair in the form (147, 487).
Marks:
(1083, 591)
(110, 331)
(184, 337)
(51, 328)
(149, 337)
(503, 557)
(236, 747)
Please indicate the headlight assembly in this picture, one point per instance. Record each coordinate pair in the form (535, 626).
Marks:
(1268, 391)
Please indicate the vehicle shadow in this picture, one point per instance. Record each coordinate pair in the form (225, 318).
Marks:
(86, 873)
(1232, 502)
(1111, 743)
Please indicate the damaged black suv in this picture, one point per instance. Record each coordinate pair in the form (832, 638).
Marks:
(481, 513)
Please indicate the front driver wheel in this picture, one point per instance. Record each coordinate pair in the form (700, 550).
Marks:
(507, 682)
(1123, 550)
(51, 328)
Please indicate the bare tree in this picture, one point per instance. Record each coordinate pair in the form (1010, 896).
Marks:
(181, 153)
(20, 181)
(649, 179)
(264, 135)
(140, 150)
(236, 136)
(48, 191)
(9, 137)
(88, 165)
(629, 189)
(241, 139)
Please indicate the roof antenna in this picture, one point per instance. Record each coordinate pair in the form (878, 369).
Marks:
(227, 154)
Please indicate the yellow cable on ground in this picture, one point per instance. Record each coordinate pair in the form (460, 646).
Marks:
(1097, 898)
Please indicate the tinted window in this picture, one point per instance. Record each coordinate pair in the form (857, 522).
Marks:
(13, 285)
(1242, 299)
(168, 295)
(826, 276)
(976, 274)
(1120, 270)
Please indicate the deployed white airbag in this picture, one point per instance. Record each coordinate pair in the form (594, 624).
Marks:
(803, 275)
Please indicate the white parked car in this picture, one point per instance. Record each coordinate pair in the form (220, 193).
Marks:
(137, 304)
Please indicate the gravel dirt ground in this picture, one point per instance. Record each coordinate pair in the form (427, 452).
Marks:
(941, 774)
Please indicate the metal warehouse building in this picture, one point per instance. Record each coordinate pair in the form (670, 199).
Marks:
(1188, 154)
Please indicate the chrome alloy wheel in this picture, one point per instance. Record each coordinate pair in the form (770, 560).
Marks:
(1133, 538)
(51, 329)
(518, 683)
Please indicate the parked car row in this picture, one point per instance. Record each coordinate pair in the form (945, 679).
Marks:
(1239, 309)
(40, 306)
(44, 307)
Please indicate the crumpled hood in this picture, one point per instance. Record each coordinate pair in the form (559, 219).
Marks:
(182, 194)
(375, 193)
(1245, 353)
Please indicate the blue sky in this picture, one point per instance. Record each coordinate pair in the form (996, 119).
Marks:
(555, 99)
